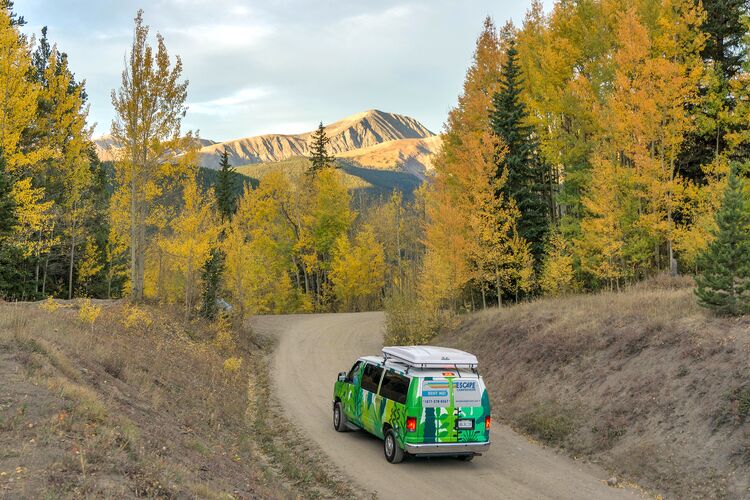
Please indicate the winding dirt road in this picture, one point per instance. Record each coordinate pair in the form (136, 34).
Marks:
(314, 348)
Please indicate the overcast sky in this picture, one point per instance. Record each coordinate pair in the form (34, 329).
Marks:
(281, 65)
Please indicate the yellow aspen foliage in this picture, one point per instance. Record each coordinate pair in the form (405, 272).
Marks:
(88, 313)
(68, 175)
(136, 318)
(149, 107)
(49, 305)
(600, 247)
(223, 339)
(329, 217)
(557, 275)
(258, 249)
(446, 269)
(89, 266)
(115, 255)
(697, 211)
(194, 232)
(33, 215)
(358, 271)
(18, 97)
(521, 270)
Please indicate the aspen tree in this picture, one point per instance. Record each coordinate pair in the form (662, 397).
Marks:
(149, 107)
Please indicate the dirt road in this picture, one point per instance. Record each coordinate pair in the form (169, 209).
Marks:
(314, 348)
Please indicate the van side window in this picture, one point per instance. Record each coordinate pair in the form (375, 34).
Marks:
(350, 376)
(371, 377)
(395, 387)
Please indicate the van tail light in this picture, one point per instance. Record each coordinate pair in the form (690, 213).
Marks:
(411, 424)
(487, 422)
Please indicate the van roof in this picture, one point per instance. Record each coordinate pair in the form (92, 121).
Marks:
(406, 369)
(431, 357)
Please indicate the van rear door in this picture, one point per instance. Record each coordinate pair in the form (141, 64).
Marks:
(453, 409)
(439, 412)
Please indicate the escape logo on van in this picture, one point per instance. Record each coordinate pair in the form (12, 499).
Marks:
(466, 393)
(465, 385)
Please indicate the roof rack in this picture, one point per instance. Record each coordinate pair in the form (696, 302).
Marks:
(430, 357)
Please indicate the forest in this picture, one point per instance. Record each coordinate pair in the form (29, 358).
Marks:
(591, 147)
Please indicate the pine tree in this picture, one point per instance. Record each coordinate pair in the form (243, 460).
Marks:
(211, 279)
(319, 156)
(7, 203)
(226, 198)
(724, 282)
(526, 182)
(726, 28)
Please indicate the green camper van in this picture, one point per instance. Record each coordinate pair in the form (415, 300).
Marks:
(420, 400)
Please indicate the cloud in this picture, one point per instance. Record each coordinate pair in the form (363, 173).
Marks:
(233, 103)
(379, 19)
(220, 37)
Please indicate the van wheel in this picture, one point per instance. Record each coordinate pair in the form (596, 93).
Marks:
(339, 419)
(466, 458)
(393, 453)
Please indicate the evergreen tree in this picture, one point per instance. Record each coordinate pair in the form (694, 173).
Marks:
(726, 28)
(319, 157)
(525, 169)
(724, 283)
(225, 188)
(211, 278)
(725, 53)
(7, 204)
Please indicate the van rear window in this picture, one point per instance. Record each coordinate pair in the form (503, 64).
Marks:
(371, 377)
(395, 387)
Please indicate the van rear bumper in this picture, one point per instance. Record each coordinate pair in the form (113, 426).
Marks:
(446, 448)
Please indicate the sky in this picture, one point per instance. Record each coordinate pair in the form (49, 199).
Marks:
(280, 66)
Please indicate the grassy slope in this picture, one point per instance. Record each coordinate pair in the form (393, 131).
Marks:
(644, 382)
(142, 411)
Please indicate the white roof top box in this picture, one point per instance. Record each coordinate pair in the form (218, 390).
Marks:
(428, 356)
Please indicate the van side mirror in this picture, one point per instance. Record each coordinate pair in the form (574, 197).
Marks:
(342, 376)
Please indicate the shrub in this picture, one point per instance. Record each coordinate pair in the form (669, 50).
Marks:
(223, 339)
(407, 320)
(136, 318)
(547, 422)
(49, 305)
(232, 365)
(88, 313)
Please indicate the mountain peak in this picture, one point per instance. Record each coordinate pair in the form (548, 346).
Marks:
(360, 130)
(372, 138)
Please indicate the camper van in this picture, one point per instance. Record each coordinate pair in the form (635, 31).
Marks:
(420, 400)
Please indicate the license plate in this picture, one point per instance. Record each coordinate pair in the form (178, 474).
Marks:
(466, 424)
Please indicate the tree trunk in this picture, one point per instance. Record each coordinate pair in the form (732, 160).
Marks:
(72, 259)
(44, 275)
(499, 290)
(38, 262)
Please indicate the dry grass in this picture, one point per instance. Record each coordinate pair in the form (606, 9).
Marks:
(129, 408)
(645, 382)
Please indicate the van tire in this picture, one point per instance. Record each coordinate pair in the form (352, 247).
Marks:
(466, 458)
(393, 452)
(339, 419)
